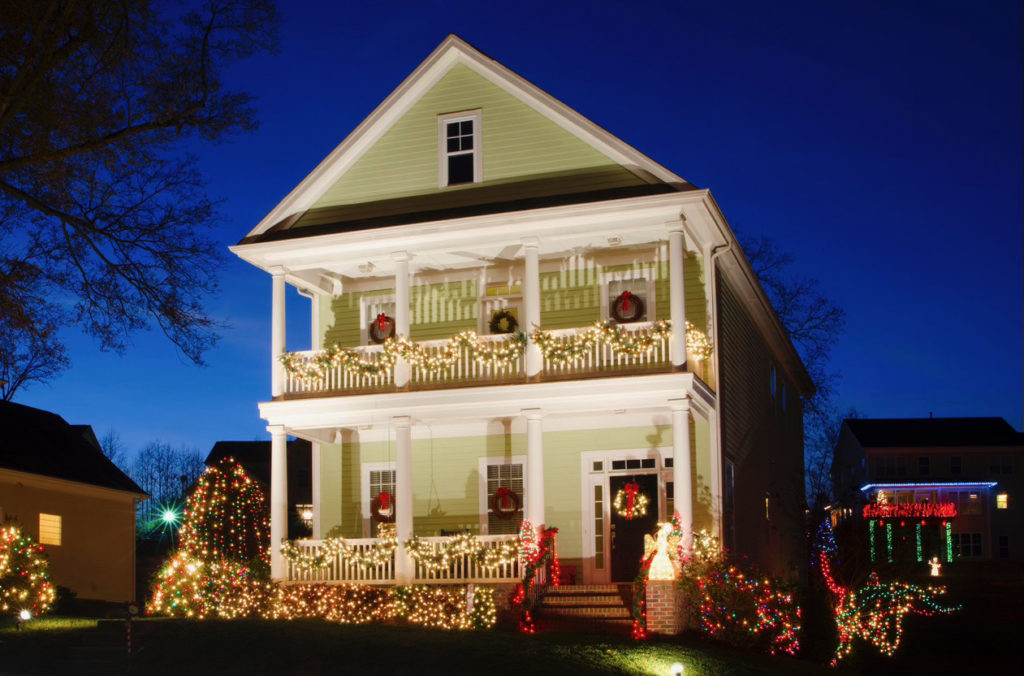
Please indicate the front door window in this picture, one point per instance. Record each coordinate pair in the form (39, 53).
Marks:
(627, 535)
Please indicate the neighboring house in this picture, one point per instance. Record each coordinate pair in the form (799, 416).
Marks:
(56, 482)
(469, 201)
(962, 476)
(254, 456)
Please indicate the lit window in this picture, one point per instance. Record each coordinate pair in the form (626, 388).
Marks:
(49, 529)
(460, 148)
(1002, 501)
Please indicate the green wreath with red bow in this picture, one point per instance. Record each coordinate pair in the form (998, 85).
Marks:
(505, 503)
(382, 328)
(627, 308)
(383, 508)
(630, 503)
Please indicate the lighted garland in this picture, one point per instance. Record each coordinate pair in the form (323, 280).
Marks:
(440, 556)
(24, 573)
(333, 548)
(874, 612)
(561, 350)
(630, 503)
(535, 553)
(503, 353)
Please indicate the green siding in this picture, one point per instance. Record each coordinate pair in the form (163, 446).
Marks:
(570, 298)
(517, 143)
(446, 481)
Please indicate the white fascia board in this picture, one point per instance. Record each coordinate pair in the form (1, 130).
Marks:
(556, 398)
(451, 51)
(551, 225)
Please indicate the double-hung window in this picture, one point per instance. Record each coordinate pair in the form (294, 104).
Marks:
(459, 144)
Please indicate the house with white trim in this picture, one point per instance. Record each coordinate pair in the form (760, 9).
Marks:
(517, 315)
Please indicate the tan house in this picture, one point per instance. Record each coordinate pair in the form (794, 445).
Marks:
(569, 322)
(57, 484)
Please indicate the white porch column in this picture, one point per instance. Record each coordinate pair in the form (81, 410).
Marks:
(531, 304)
(402, 258)
(681, 472)
(677, 293)
(278, 498)
(534, 512)
(277, 334)
(315, 490)
(404, 566)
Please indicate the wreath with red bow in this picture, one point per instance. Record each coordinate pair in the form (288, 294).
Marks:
(630, 503)
(505, 503)
(383, 508)
(628, 307)
(382, 328)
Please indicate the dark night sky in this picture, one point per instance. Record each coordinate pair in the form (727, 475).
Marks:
(879, 142)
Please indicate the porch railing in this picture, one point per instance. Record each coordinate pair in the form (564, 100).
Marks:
(602, 357)
(463, 569)
(337, 377)
(466, 569)
(339, 569)
(465, 367)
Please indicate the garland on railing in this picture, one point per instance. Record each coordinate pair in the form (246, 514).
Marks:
(534, 554)
(565, 349)
(503, 353)
(435, 556)
(378, 554)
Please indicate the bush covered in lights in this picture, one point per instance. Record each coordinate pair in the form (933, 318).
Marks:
(739, 605)
(24, 574)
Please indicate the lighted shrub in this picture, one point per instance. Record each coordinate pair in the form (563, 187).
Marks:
(24, 574)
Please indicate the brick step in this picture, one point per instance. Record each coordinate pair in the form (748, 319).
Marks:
(587, 588)
(603, 612)
(585, 599)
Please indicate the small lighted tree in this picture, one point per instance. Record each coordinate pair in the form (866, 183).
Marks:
(24, 574)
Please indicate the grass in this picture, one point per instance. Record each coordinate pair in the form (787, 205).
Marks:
(308, 647)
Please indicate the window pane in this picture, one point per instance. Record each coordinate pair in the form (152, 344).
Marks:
(460, 169)
(49, 529)
(453, 145)
(467, 127)
(453, 129)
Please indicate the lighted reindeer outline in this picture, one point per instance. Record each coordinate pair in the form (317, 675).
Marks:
(874, 612)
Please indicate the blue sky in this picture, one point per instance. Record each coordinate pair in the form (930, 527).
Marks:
(878, 142)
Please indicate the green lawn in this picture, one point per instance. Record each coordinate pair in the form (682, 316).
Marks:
(307, 647)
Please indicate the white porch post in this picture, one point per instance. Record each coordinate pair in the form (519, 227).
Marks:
(681, 472)
(402, 258)
(531, 304)
(677, 293)
(278, 499)
(405, 570)
(534, 512)
(277, 334)
(315, 489)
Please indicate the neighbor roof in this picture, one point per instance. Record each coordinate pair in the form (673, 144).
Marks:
(895, 432)
(40, 442)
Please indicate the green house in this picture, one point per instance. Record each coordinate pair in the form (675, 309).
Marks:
(519, 317)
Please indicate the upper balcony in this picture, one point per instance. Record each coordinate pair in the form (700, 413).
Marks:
(604, 349)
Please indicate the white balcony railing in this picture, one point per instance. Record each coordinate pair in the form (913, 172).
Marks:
(337, 377)
(602, 357)
(465, 367)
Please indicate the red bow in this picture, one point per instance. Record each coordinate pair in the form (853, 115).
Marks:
(382, 322)
(385, 500)
(626, 295)
(504, 497)
(632, 488)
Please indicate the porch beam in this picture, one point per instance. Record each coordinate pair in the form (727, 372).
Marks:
(682, 496)
(278, 498)
(405, 570)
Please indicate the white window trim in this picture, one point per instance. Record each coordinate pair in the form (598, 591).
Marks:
(364, 494)
(442, 146)
(646, 273)
(364, 314)
(482, 465)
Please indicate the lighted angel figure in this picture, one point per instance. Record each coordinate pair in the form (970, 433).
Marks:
(663, 567)
(874, 612)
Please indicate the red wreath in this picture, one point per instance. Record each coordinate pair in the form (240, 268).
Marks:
(383, 508)
(382, 328)
(505, 503)
(627, 308)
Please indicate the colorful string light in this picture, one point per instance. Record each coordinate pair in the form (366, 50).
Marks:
(535, 553)
(24, 574)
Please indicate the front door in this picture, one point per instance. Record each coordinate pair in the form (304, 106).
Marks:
(627, 535)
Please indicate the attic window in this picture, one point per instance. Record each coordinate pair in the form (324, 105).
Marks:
(459, 144)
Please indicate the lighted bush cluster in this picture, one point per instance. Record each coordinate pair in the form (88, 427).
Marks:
(24, 574)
